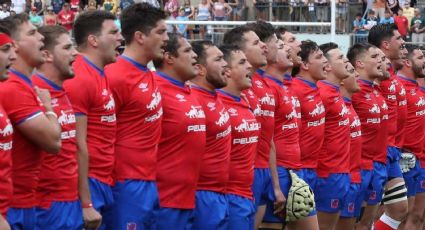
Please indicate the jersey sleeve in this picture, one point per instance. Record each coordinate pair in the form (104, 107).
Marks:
(79, 94)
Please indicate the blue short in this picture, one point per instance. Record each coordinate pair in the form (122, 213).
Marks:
(411, 179)
(393, 158)
(241, 212)
(377, 184)
(60, 215)
(22, 218)
(352, 202)
(420, 186)
(173, 218)
(135, 202)
(366, 176)
(262, 186)
(211, 211)
(309, 176)
(330, 192)
(101, 197)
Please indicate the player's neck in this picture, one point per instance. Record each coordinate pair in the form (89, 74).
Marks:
(332, 78)
(23, 67)
(203, 83)
(289, 72)
(136, 54)
(232, 90)
(364, 75)
(170, 72)
(345, 93)
(407, 73)
(51, 73)
(94, 58)
(306, 76)
(275, 72)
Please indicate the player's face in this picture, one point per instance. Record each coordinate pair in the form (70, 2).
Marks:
(283, 59)
(373, 63)
(418, 63)
(385, 65)
(316, 65)
(338, 63)
(157, 40)
(7, 57)
(109, 41)
(272, 46)
(216, 67)
(350, 83)
(255, 50)
(290, 40)
(64, 55)
(184, 63)
(396, 46)
(240, 70)
(29, 44)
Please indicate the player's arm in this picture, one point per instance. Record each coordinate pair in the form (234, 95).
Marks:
(43, 129)
(280, 198)
(92, 219)
(3, 224)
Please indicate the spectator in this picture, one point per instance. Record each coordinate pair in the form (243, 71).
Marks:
(341, 15)
(236, 7)
(4, 13)
(379, 7)
(170, 28)
(189, 12)
(75, 4)
(117, 20)
(204, 9)
(260, 9)
(57, 5)
(402, 23)
(181, 28)
(109, 5)
(221, 10)
(92, 5)
(50, 17)
(18, 6)
(172, 6)
(371, 20)
(393, 6)
(322, 10)
(153, 3)
(417, 27)
(66, 17)
(35, 19)
(311, 14)
(388, 19)
(39, 6)
(359, 23)
(408, 12)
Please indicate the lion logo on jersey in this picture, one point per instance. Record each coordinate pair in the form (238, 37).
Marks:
(267, 99)
(111, 103)
(156, 99)
(392, 87)
(195, 112)
(355, 123)
(344, 111)
(319, 109)
(8, 130)
(257, 111)
(224, 117)
(421, 102)
(292, 115)
(374, 109)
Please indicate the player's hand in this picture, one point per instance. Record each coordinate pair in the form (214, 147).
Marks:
(45, 98)
(92, 219)
(279, 204)
(3, 224)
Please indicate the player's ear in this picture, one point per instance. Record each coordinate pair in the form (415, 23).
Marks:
(139, 37)
(200, 69)
(47, 56)
(92, 40)
(168, 58)
(359, 64)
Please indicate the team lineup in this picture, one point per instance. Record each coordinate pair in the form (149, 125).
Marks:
(260, 132)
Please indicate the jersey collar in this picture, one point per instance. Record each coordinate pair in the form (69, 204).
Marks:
(279, 82)
(346, 99)
(99, 70)
(212, 93)
(48, 81)
(235, 98)
(331, 85)
(367, 82)
(309, 83)
(287, 77)
(407, 79)
(135, 63)
(21, 76)
(260, 72)
(171, 80)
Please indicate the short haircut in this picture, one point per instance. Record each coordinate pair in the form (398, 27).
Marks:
(171, 48)
(280, 31)
(328, 47)
(4, 29)
(357, 50)
(199, 47)
(235, 36)
(13, 22)
(410, 48)
(51, 34)
(307, 47)
(141, 17)
(90, 23)
(227, 51)
(264, 30)
(380, 33)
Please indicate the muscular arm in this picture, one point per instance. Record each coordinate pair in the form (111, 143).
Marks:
(280, 198)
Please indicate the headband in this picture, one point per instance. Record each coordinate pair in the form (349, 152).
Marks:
(4, 39)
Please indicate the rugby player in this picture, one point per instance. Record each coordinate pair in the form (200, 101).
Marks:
(183, 135)
(139, 112)
(57, 190)
(35, 124)
(211, 204)
(98, 40)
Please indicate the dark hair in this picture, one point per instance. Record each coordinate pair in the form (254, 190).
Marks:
(199, 48)
(357, 50)
(141, 17)
(328, 47)
(13, 22)
(307, 47)
(279, 31)
(227, 51)
(410, 48)
(235, 36)
(264, 30)
(359, 15)
(380, 33)
(90, 23)
(51, 34)
(171, 48)
(4, 29)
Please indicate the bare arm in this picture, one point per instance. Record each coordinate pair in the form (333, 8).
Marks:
(280, 198)
(3, 224)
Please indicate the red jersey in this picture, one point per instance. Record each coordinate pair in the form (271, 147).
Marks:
(402, 24)
(369, 111)
(59, 172)
(6, 136)
(21, 104)
(181, 146)
(401, 114)
(245, 136)
(382, 137)
(90, 95)
(334, 157)
(66, 19)
(355, 143)
(422, 156)
(267, 103)
(415, 124)
(214, 172)
(286, 130)
(139, 114)
(312, 129)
